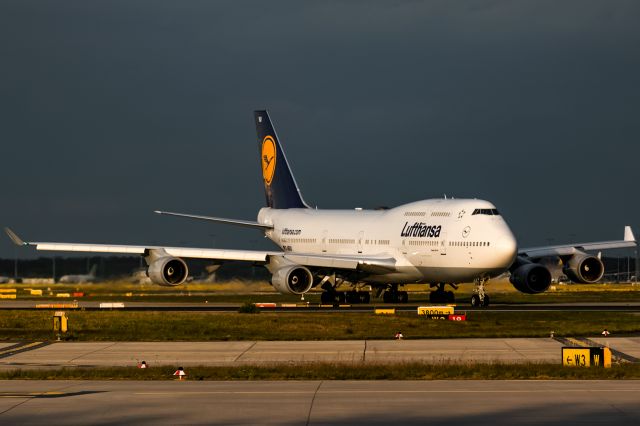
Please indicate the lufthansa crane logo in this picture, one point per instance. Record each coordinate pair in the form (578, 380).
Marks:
(466, 231)
(268, 159)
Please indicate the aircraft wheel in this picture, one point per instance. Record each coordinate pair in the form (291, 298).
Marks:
(342, 297)
(432, 297)
(327, 298)
(451, 297)
(387, 297)
(485, 303)
(365, 297)
(403, 297)
(475, 301)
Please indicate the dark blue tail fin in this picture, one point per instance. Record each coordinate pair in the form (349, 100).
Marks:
(279, 184)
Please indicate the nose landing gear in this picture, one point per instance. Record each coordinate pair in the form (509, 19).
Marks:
(479, 299)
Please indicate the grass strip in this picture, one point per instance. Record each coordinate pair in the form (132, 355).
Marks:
(333, 371)
(210, 326)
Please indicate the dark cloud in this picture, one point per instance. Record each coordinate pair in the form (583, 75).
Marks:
(112, 109)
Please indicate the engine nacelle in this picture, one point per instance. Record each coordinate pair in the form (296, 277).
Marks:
(585, 269)
(292, 280)
(531, 278)
(168, 271)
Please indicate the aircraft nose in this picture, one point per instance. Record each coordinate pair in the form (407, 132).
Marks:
(506, 250)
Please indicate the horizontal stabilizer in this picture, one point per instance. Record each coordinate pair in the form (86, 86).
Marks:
(247, 223)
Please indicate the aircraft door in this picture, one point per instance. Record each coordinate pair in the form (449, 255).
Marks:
(360, 241)
(324, 240)
(443, 243)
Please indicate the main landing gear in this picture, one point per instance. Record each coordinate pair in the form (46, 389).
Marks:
(479, 298)
(393, 295)
(439, 295)
(339, 297)
(332, 297)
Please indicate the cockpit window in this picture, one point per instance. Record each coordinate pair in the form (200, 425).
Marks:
(488, 212)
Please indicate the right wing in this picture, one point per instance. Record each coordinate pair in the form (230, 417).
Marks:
(238, 222)
(628, 240)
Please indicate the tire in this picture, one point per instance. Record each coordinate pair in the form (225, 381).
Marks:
(432, 297)
(387, 297)
(342, 297)
(365, 297)
(327, 298)
(403, 297)
(451, 298)
(485, 303)
(475, 301)
(352, 297)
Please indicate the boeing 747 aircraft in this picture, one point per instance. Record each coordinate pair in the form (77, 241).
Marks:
(80, 278)
(437, 242)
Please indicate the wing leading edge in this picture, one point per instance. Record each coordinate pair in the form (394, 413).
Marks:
(246, 223)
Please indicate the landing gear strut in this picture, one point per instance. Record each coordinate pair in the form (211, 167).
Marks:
(479, 298)
(392, 295)
(440, 295)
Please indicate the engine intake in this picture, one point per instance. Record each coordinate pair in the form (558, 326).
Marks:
(292, 280)
(531, 278)
(585, 269)
(168, 271)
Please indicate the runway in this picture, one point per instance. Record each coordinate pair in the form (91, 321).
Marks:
(233, 353)
(321, 402)
(303, 307)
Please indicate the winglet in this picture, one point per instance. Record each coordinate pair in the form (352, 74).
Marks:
(628, 234)
(16, 240)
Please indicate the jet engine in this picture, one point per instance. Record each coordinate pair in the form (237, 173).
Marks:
(531, 278)
(168, 271)
(582, 268)
(292, 280)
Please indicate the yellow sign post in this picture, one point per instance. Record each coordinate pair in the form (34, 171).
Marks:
(435, 310)
(60, 322)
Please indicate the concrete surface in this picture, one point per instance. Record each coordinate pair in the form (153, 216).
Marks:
(628, 345)
(321, 403)
(96, 354)
(65, 354)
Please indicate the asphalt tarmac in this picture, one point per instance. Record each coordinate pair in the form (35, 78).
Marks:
(105, 354)
(454, 402)
(302, 307)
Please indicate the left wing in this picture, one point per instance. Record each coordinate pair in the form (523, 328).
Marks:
(189, 252)
(570, 249)
(373, 264)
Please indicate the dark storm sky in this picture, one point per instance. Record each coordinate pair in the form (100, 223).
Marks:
(111, 109)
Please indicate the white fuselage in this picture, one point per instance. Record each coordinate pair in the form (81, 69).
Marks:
(432, 241)
(77, 279)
